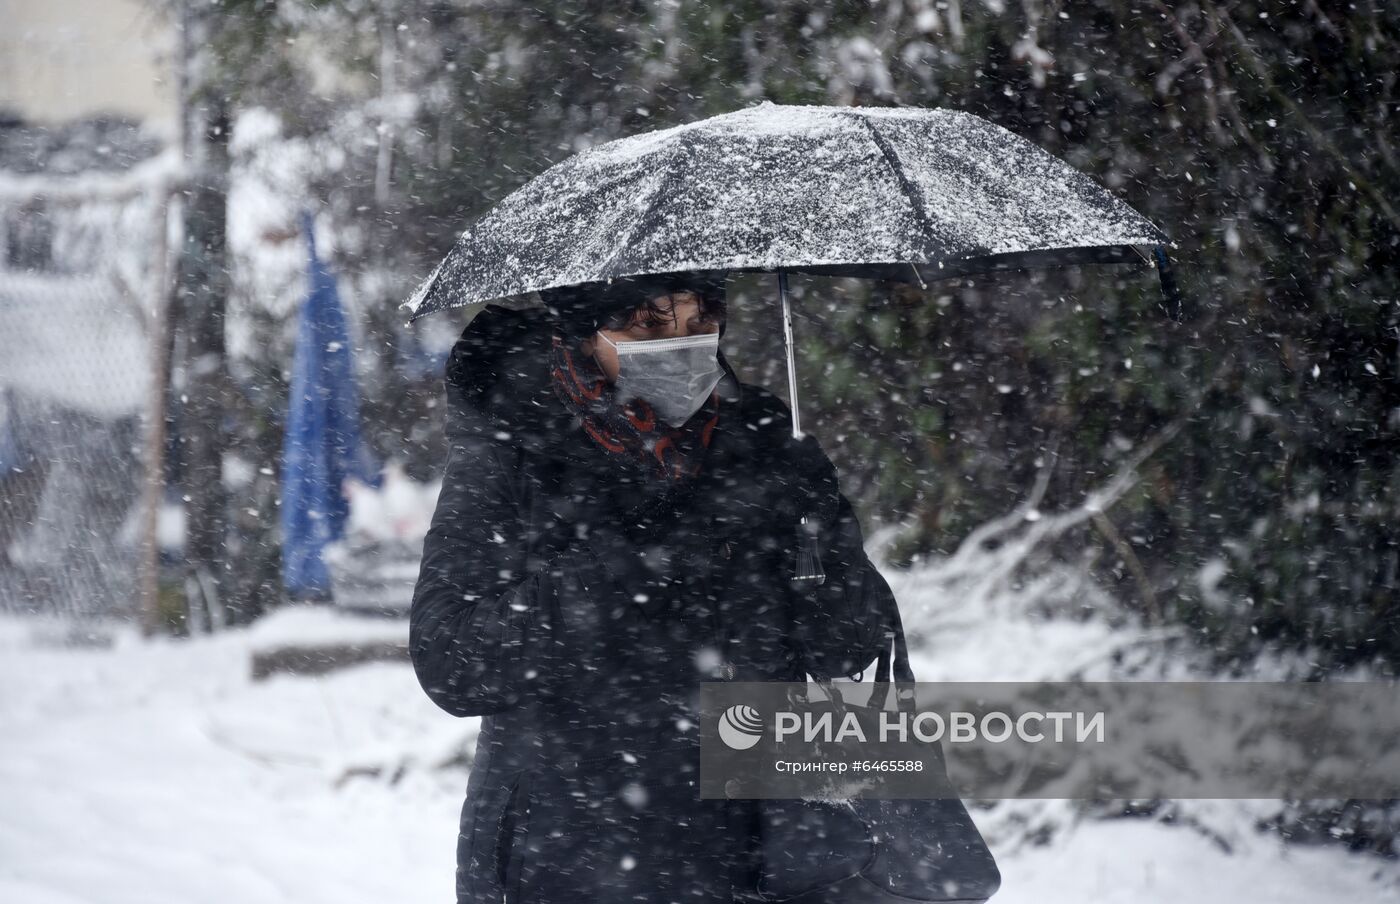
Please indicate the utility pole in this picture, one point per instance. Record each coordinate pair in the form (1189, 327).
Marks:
(202, 295)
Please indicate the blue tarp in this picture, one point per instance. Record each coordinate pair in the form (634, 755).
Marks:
(322, 445)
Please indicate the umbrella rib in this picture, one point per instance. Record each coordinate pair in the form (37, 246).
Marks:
(911, 191)
(661, 191)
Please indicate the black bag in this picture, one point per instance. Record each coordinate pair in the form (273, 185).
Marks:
(870, 851)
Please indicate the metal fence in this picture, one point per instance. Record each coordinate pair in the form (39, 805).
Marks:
(82, 271)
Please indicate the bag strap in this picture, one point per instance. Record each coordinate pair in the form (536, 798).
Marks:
(894, 676)
(891, 678)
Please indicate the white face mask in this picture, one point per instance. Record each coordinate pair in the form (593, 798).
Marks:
(675, 375)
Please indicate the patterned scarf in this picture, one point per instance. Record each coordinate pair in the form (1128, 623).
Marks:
(669, 455)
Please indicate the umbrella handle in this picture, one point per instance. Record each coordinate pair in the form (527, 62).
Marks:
(808, 571)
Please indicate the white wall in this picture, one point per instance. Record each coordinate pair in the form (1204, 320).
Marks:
(64, 59)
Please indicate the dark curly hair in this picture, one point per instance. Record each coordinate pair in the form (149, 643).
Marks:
(580, 311)
(710, 308)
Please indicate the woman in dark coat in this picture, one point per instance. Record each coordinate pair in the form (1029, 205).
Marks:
(593, 557)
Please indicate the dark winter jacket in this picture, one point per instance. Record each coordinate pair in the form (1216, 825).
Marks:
(579, 622)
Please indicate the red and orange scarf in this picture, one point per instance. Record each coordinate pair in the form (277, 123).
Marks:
(632, 431)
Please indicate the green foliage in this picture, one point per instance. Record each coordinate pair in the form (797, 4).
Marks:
(1260, 135)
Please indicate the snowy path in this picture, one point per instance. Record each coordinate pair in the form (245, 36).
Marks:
(158, 772)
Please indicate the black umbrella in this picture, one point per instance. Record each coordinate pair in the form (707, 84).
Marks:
(895, 193)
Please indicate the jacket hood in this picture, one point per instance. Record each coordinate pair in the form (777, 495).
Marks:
(498, 384)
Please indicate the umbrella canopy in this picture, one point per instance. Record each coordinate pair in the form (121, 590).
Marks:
(904, 193)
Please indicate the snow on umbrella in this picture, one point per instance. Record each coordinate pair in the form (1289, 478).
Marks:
(896, 193)
(905, 193)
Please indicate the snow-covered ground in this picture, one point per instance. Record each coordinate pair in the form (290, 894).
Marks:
(148, 772)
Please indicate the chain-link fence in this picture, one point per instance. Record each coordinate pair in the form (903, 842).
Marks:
(81, 273)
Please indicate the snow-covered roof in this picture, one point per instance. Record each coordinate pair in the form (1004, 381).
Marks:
(97, 144)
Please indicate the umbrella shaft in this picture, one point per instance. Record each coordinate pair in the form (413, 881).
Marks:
(791, 365)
